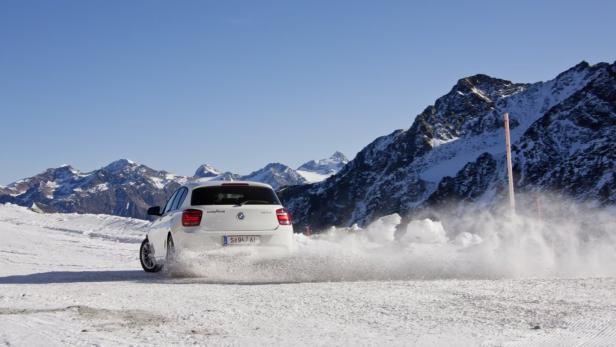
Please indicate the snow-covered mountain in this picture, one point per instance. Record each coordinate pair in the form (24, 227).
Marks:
(562, 134)
(122, 188)
(206, 171)
(319, 170)
(277, 175)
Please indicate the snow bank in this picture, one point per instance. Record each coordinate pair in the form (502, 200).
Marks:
(102, 226)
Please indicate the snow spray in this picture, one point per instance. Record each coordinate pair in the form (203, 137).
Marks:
(567, 240)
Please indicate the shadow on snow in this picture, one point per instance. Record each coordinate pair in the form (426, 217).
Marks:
(123, 276)
(79, 277)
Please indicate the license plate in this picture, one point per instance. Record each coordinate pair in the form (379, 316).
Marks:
(240, 240)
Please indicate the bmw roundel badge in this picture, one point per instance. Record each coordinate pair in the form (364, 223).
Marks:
(241, 216)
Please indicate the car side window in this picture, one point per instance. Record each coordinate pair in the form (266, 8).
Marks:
(169, 203)
(180, 199)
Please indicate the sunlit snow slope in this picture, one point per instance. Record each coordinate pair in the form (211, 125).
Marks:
(75, 280)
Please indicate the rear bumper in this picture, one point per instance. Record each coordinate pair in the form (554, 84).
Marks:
(199, 240)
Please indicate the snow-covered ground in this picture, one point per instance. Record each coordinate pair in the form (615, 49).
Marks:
(76, 280)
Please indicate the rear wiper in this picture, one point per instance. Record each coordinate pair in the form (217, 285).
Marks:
(252, 202)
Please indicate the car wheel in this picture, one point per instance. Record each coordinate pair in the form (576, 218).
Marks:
(148, 263)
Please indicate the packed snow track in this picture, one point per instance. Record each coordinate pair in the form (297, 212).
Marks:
(76, 280)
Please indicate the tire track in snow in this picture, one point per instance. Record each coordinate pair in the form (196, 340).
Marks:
(604, 336)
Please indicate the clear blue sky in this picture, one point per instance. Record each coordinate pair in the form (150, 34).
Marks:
(239, 84)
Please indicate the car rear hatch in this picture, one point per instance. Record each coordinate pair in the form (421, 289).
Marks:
(237, 207)
(239, 218)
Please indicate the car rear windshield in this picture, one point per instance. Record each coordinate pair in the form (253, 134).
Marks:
(234, 195)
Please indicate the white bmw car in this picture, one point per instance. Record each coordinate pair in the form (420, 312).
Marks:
(203, 216)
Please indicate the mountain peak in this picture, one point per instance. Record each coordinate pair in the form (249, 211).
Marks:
(64, 167)
(480, 79)
(119, 164)
(207, 170)
(483, 86)
(323, 167)
(582, 65)
(276, 175)
(584, 69)
(339, 156)
(276, 166)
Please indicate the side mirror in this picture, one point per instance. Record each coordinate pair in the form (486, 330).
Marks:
(154, 211)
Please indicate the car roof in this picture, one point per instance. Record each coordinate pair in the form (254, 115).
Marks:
(201, 183)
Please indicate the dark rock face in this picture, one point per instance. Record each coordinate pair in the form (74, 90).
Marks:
(563, 141)
(572, 148)
(469, 183)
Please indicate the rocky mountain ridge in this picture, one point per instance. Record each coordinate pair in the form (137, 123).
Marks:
(123, 187)
(454, 150)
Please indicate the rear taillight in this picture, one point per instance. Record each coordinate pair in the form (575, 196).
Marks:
(191, 218)
(284, 217)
